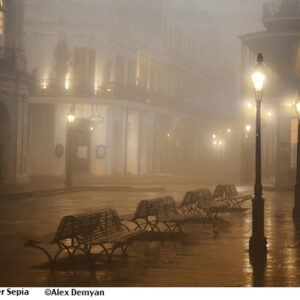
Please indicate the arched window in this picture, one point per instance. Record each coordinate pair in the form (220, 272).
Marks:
(2, 15)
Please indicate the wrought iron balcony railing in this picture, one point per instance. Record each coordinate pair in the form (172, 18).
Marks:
(100, 90)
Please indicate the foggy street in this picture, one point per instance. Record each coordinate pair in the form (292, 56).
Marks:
(149, 143)
(201, 258)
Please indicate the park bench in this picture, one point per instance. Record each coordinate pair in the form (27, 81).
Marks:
(234, 197)
(190, 203)
(84, 231)
(211, 204)
(150, 214)
(219, 195)
(199, 203)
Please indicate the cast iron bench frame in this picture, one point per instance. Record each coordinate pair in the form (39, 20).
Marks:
(163, 210)
(84, 231)
(234, 197)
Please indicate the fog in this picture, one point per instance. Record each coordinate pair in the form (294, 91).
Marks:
(234, 18)
(163, 114)
(149, 83)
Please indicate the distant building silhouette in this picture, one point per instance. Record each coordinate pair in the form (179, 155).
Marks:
(13, 91)
(147, 80)
(280, 45)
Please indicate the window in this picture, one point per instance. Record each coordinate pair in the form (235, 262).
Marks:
(294, 140)
(1, 22)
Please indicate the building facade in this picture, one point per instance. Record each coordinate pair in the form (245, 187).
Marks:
(279, 44)
(13, 92)
(141, 77)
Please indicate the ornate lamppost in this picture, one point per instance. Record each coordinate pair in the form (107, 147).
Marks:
(258, 242)
(246, 148)
(296, 209)
(70, 120)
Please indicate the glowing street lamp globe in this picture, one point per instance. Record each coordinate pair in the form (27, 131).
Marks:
(71, 117)
(298, 107)
(258, 77)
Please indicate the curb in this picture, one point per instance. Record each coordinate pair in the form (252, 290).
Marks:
(71, 190)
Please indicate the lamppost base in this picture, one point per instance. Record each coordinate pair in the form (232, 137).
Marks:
(258, 248)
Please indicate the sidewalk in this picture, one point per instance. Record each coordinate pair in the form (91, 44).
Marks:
(206, 256)
(55, 186)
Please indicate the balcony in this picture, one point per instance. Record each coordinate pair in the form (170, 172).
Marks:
(102, 91)
(283, 16)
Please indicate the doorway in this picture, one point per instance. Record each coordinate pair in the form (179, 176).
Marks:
(81, 146)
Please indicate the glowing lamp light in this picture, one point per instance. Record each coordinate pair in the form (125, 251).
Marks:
(44, 84)
(258, 76)
(215, 142)
(229, 130)
(220, 143)
(249, 105)
(297, 106)
(92, 128)
(67, 84)
(168, 135)
(96, 87)
(258, 79)
(248, 128)
(269, 114)
(214, 136)
(71, 117)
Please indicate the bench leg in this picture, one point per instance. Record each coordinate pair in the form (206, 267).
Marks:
(124, 250)
(107, 251)
(62, 247)
(45, 252)
(138, 226)
(172, 228)
(86, 251)
(52, 261)
(154, 226)
(168, 229)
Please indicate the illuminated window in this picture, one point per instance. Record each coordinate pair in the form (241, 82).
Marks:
(1, 22)
(294, 131)
(294, 141)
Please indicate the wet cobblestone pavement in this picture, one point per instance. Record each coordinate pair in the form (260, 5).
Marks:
(205, 256)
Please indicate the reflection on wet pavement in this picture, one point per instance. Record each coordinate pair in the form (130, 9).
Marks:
(203, 257)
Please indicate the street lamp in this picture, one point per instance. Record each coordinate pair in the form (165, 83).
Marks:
(70, 120)
(296, 209)
(258, 242)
